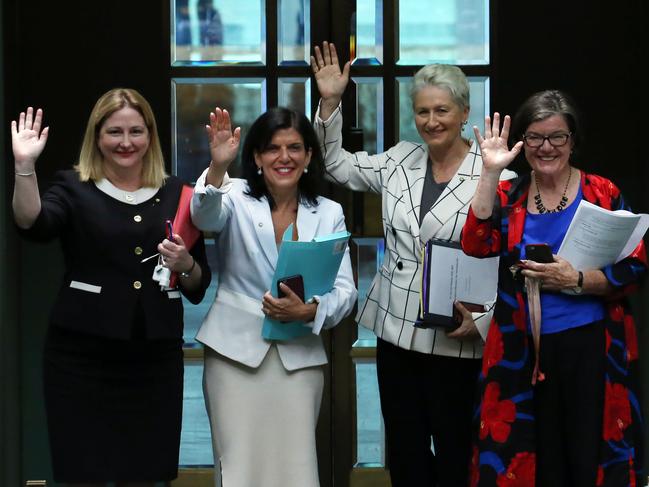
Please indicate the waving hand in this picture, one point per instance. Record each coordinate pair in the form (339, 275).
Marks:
(224, 144)
(27, 139)
(496, 155)
(330, 79)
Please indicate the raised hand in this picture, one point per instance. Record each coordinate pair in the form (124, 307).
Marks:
(330, 79)
(27, 139)
(496, 155)
(223, 141)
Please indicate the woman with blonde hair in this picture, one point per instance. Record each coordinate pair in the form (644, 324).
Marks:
(113, 362)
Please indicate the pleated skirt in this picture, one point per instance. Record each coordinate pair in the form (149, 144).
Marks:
(114, 407)
(263, 421)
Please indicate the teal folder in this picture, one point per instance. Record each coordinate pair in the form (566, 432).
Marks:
(317, 262)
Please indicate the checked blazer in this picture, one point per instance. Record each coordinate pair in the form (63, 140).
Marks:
(392, 302)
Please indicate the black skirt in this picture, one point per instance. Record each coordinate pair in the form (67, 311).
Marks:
(114, 407)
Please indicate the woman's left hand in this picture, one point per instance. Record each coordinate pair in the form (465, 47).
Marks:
(554, 276)
(176, 256)
(496, 156)
(288, 308)
(467, 329)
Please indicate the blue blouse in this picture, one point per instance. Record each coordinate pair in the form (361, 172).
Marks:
(559, 311)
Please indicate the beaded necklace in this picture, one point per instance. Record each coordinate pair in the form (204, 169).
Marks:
(562, 203)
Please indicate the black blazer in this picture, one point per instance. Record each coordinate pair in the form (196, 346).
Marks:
(106, 286)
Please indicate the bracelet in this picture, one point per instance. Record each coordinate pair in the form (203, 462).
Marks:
(24, 173)
(188, 273)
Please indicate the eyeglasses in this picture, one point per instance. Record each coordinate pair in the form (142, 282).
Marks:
(556, 140)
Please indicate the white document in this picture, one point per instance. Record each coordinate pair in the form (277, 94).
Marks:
(453, 275)
(598, 237)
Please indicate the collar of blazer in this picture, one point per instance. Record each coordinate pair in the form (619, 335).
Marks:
(411, 176)
(456, 195)
(262, 222)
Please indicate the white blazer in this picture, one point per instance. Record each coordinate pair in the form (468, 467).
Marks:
(247, 256)
(392, 302)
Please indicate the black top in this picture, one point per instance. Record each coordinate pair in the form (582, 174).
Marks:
(104, 241)
(432, 190)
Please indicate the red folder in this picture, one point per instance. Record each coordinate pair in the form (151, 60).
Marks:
(183, 225)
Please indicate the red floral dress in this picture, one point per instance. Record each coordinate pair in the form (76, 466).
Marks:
(504, 453)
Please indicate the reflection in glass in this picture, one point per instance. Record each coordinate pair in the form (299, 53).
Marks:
(295, 93)
(294, 32)
(192, 101)
(479, 96)
(369, 109)
(370, 437)
(208, 32)
(367, 32)
(195, 438)
(369, 257)
(448, 31)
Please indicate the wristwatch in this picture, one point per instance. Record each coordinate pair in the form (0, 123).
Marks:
(580, 282)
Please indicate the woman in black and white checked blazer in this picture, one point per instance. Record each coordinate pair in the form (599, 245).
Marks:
(426, 376)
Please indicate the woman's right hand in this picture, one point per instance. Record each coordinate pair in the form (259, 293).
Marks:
(27, 139)
(224, 145)
(330, 80)
(496, 156)
(224, 142)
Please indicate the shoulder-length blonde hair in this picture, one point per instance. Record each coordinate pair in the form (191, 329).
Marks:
(90, 165)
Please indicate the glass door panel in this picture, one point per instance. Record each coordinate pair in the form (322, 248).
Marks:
(369, 112)
(446, 31)
(370, 435)
(213, 32)
(294, 32)
(195, 438)
(367, 33)
(192, 101)
(295, 93)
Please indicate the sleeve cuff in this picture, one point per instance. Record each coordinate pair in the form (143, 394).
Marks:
(320, 314)
(331, 117)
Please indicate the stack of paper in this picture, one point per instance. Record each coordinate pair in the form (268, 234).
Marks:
(450, 275)
(598, 237)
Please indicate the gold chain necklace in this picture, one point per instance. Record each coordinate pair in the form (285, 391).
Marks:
(539, 202)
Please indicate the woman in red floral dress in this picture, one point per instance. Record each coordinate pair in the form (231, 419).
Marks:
(572, 417)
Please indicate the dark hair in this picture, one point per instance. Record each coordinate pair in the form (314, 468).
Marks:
(542, 105)
(258, 139)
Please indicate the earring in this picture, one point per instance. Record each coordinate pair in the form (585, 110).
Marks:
(306, 169)
(259, 171)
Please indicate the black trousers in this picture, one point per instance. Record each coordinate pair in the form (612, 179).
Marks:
(426, 397)
(569, 407)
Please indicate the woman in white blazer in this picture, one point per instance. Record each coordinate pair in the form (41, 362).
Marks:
(427, 377)
(263, 397)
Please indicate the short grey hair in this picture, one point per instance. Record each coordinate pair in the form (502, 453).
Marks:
(444, 76)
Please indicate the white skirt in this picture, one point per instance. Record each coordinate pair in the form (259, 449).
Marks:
(263, 421)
